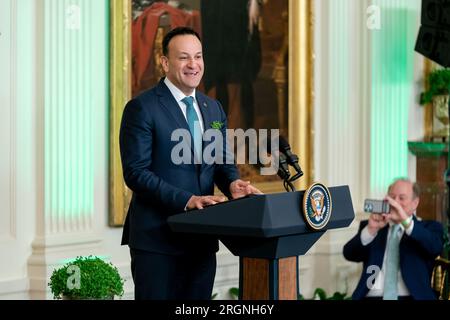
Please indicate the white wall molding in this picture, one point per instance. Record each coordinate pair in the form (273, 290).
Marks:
(14, 288)
(13, 121)
(66, 239)
(7, 128)
(13, 232)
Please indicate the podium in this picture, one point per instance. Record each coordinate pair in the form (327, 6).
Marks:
(268, 233)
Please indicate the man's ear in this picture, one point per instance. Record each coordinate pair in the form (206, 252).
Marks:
(164, 63)
(415, 203)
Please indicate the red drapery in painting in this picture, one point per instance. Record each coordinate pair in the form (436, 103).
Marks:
(144, 33)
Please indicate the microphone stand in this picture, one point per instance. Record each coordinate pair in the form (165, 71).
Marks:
(285, 159)
(287, 182)
(288, 186)
(284, 173)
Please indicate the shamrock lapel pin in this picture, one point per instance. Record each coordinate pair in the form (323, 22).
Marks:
(217, 125)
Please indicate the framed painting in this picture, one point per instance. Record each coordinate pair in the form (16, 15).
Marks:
(277, 93)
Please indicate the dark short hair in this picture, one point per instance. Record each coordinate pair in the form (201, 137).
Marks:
(179, 31)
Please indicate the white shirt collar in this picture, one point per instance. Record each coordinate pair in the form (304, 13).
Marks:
(410, 218)
(177, 93)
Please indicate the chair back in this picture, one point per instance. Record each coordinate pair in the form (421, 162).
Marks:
(440, 278)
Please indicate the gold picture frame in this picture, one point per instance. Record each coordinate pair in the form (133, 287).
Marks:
(300, 117)
(428, 111)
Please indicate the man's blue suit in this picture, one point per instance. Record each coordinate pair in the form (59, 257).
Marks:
(417, 254)
(160, 187)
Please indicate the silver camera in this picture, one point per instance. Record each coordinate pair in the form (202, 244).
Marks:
(376, 206)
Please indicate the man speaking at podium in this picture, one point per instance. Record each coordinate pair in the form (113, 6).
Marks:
(166, 265)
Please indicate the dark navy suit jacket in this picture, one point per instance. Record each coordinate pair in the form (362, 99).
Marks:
(417, 254)
(160, 187)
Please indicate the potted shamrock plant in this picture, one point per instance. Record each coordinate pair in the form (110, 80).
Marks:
(86, 278)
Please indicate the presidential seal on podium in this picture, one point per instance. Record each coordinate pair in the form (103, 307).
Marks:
(317, 206)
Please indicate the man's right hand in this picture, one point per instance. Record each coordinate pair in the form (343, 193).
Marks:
(199, 202)
(376, 222)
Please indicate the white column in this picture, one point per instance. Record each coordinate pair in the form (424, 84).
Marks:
(341, 136)
(67, 102)
(393, 98)
(12, 277)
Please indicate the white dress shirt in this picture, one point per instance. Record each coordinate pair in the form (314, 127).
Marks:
(179, 95)
(378, 285)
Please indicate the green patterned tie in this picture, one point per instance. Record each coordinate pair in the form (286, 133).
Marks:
(194, 127)
(392, 264)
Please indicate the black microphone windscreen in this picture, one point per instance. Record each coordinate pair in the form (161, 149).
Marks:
(283, 144)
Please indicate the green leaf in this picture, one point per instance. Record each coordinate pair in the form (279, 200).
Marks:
(438, 82)
(217, 125)
(319, 292)
(234, 292)
(337, 296)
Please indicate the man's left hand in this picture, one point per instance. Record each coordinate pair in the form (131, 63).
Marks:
(240, 188)
(396, 214)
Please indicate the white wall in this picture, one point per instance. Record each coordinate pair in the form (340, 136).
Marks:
(19, 165)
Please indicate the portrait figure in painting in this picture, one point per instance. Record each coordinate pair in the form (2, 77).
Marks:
(245, 53)
(232, 53)
(151, 20)
(245, 48)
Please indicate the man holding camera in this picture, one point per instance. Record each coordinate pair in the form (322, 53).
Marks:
(397, 249)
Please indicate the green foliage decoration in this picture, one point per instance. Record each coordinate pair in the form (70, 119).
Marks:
(438, 84)
(86, 278)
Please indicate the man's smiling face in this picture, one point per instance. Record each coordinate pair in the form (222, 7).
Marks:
(183, 64)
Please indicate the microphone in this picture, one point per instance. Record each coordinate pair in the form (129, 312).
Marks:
(291, 158)
(283, 169)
